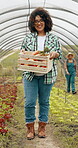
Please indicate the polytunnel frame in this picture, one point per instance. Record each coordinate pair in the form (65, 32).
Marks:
(22, 8)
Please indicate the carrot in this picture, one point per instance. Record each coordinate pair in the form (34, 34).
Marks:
(35, 52)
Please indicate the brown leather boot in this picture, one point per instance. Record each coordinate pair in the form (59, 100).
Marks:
(30, 132)
(41, 130)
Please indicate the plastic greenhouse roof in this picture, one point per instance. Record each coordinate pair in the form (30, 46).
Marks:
(14, 21)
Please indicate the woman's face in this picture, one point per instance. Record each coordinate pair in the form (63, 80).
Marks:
(70, 56)
(39, 24)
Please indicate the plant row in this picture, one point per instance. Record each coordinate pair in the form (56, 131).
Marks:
(8, 94)
(61, 111)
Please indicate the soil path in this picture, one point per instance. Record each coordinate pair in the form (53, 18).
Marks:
(47, 142)
(19, 139)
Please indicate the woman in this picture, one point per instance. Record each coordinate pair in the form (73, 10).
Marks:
(35, 84)
(70, 70)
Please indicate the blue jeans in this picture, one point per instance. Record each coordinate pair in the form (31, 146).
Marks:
(36, 89)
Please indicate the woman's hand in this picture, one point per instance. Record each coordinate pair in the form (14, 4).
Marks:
(23, 51)
(67, 73)
(77, 73)
(54, 55)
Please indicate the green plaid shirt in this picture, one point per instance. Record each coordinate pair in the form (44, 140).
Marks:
(52, 42)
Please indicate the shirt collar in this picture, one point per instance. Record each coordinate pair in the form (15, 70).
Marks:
(36, 34)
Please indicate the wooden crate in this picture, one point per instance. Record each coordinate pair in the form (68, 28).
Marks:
(34, 63)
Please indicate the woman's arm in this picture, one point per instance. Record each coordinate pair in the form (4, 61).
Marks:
(23, 46)
(75, 64)
(65, 67)
(56, 53)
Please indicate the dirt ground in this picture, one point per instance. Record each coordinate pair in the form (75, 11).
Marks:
(47, 142)
(19, 139)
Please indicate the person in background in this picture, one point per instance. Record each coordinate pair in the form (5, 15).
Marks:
(70, 72)
(37, 85)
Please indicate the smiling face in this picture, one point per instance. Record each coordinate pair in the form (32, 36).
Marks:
(39, 25)
(70, 56)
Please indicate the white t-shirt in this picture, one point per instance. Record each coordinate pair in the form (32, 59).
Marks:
(41, 40)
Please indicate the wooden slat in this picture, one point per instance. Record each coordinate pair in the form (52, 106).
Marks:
(33, 56)
(40, 63)
(33, 69)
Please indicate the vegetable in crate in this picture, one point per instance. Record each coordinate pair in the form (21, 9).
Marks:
(44, 52)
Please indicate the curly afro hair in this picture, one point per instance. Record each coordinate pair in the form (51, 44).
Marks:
(45, 17)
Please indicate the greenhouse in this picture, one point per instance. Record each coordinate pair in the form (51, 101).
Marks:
(15, 15)
(39, 73)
